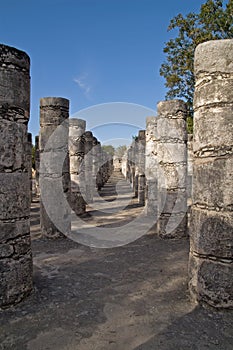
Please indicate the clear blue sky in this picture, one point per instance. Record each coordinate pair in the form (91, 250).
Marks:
(93, 51)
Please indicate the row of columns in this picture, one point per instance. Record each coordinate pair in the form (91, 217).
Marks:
(211, 253)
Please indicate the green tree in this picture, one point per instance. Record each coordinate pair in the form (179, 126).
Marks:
(214, 21)
(109, 149)
(120, 151)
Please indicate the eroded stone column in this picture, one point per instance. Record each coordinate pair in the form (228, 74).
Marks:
(89, 166)
(15, 244)
(172, 169)
(37, 164)
(77, 171)
(211, 246)
(151, 166)
(54, 166)
(29, 160)
(141, 167)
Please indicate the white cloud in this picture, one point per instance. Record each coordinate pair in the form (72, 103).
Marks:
(82, 83)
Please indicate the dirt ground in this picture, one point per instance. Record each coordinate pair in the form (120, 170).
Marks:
(133, 297)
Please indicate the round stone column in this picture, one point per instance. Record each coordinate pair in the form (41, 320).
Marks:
(88, 166)
(37, 164)
(141, 167)
(15, 244)
(151, 166)
(77, 173)
(211, 240)
(172, 169)
(54, 166)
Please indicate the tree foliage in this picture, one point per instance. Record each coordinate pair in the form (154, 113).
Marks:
(120, 151)
(109, 149)
(214, 21)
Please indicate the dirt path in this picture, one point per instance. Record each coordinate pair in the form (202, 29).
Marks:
(132, 297)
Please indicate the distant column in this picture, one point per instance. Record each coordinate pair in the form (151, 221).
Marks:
(29, 160)
(151, 166)
(54, 111)
(141, 167)
(211, 243)
(15, 244)
(37, 164)
(172, 169)
(77, 174)
(88, 166)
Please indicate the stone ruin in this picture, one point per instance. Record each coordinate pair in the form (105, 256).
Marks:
(184, 181)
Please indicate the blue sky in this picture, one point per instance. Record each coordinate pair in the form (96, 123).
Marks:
(94, 52)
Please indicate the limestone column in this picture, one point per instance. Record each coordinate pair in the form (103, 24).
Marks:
(37, 164)
(141, 167)
(77, 172)
(98, 174)
(88, 166)
(172, 169)
(54, 114)
(136, 168)
(15, 244)
(29, 160)
(151, 166)
(211, 241)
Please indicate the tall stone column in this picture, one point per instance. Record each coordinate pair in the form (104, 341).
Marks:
(15, 244)
(151, 166)
(88, 166)
(141, 167)
(54, 166)
(29, 160)
(136, 169)
(172, 169)
(95, 168)
(211, 243)
(37, 164)
(98, 174)
(77, 172)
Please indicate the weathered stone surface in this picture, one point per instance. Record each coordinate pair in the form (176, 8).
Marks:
(14, 195)
(221, 121)
(213, 182)
(172, 169)
(11, 230)
(15, 174)
(213, 233)
(211, 282)
(172, 129)
(54, 166)
(173, 226)
(15, 79)
(213, 92)
(211, 256)
(77, 165)
(213, 57)
(12, 145)
(172, 152)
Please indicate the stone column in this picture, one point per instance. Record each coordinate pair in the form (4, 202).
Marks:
(77, 173)
(15, 244)
(141, 167)
(54, 166)
(88, 166)
(136, 168)
(37, 164)
(211, 243)
(95, 168)
(172, 169)
(29, 160)
(151, 166)
(98, 175)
